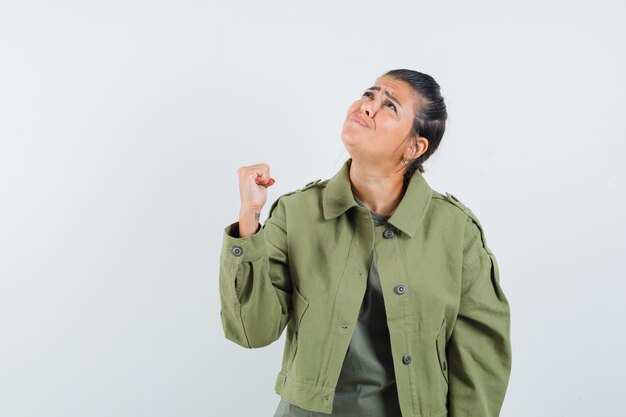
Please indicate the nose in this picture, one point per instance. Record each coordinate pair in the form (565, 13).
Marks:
(369, 108)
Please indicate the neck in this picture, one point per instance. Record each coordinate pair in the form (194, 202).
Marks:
(380, 188)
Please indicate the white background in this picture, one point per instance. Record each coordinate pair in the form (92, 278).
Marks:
(123, 123)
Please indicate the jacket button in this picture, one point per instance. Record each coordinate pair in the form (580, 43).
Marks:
(388, 233)
(406, 359)
(400, 289)
(237, 251)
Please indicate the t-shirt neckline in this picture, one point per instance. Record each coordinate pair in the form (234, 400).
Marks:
(377, 216)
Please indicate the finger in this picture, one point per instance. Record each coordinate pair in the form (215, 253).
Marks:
(263, 170)
(265, 183)
(254, 172)
(262, 176)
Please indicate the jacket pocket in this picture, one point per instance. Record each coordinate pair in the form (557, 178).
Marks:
(300, 305)
(441, 350)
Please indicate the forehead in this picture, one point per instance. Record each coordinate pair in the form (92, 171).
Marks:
(393, 84)
(398, 88)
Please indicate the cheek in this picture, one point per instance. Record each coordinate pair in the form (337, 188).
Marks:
(392, 134)
(354, 107)
(390, 127)
(396, 128)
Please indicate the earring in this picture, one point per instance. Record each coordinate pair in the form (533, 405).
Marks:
(406, 161)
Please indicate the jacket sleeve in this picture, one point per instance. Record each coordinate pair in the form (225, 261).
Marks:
(254, 282)
(479, 348)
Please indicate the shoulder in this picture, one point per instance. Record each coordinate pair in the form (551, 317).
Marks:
(318, 183)
(303, 195)
(310, 190)
(452, 203)
(474, 230)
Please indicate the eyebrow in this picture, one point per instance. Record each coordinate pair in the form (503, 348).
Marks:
(387, 94)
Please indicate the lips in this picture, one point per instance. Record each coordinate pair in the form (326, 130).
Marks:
(359, 121)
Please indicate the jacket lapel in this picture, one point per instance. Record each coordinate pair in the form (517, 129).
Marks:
(409, 214)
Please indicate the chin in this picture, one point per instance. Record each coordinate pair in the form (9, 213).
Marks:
(350, 138)
(348, 142)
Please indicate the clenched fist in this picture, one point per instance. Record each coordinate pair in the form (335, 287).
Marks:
(253, 183)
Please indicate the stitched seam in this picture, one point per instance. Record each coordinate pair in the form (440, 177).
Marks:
(474, 260)
(280, 226)
(475, 281)
(332, 331)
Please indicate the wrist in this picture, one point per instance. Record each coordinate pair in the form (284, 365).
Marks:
(249, 219)
(254, 212)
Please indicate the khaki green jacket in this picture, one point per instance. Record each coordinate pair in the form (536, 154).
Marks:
(306, 269)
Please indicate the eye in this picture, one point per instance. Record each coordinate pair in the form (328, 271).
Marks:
(391, 105)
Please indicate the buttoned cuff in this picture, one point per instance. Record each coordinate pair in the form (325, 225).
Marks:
(240, 249)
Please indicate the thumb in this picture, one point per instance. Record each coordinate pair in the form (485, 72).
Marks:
(265, 183)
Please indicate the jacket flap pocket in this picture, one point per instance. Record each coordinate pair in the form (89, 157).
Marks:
(300, 305)
(441, 350)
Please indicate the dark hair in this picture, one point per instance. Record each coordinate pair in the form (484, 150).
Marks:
(430, 113)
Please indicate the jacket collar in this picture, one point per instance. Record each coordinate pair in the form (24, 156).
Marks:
(408, 215)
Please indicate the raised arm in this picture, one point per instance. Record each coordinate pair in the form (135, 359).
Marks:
(254, 282)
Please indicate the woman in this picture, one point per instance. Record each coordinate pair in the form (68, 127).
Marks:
(389, 293)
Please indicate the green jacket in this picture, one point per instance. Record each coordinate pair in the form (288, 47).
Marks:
(306, 269)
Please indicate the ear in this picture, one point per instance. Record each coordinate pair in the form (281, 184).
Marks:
(421, 145)
(417, 145)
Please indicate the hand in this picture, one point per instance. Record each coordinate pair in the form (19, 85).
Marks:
(253, 183)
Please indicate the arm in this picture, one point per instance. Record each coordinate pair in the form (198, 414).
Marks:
(479, 349)
(254, 282)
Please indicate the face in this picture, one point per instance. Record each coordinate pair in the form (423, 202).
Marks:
(378, 125)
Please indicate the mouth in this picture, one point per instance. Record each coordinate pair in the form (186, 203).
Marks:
(358, 121)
